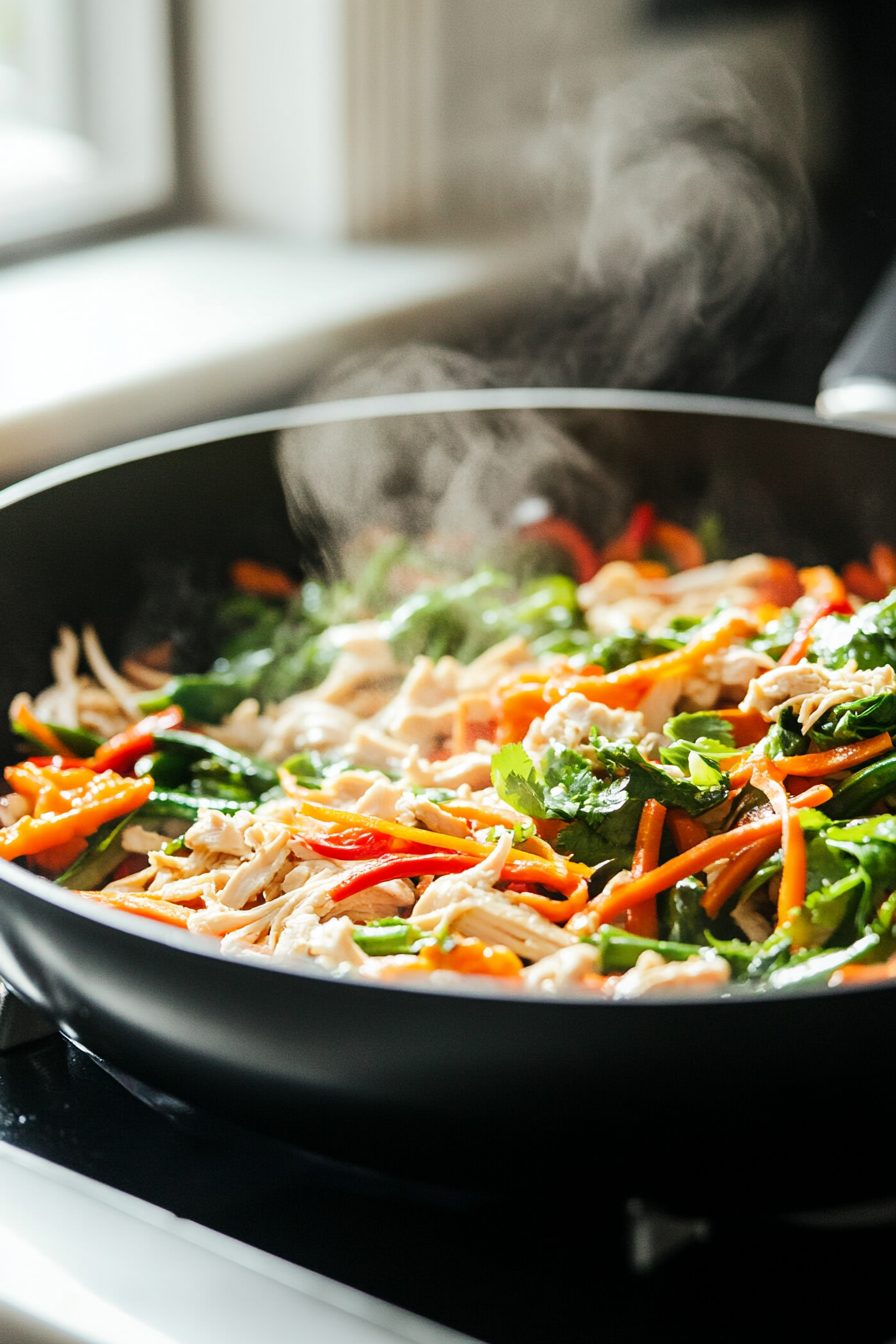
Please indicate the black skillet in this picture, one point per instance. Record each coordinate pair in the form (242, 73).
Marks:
(786, 1100)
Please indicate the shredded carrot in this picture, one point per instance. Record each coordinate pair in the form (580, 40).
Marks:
(40, 731)
(686, 830)
(643, 918)
(626, 688)
(854, 974)
(862, 581)
(166, 912)
(792, 892)
(251, 576)
(883, 562)
(693, 861)
(817, 763)
(736, 871)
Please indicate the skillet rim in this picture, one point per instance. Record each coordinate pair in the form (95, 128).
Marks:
(348, 410)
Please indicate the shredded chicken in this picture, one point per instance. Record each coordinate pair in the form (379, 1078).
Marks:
(811, 689)
(652, 976)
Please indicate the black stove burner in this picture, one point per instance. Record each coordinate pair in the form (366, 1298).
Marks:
(507, 1268)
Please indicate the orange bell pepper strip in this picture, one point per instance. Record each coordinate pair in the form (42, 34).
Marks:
(816, 763)
(166, 912)
(642, 919)
(626, 688)
(736, 871)
(518, 706)
(83, 810)
(821, 583)
(469, 956)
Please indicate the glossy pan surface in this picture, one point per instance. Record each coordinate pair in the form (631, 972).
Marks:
(778, 1098)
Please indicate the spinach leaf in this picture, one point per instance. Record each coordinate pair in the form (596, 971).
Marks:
(785, 738)
(856, 721)
(869, 636)
(630, 646)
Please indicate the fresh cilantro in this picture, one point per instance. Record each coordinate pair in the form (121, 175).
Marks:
(693, 727)
(517, 781)
(630, 646)
(646, 780)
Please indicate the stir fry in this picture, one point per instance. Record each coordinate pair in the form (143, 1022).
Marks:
(650, 775)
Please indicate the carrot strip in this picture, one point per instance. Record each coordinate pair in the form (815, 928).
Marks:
(40, 731)
(626, 688)
(685, 865)
(853, 974)
(792, 892)
(737, 870)
(166, 912)
(686, 830)
(883, 562)
(838, 758)
(643, 919)
(558, 912)
(251, 576)
(821, 583)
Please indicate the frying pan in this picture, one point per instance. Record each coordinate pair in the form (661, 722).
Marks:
(779, 1099)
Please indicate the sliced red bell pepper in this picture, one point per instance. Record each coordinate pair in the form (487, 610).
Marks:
(350, 844)
(437, 864)
(122, 751)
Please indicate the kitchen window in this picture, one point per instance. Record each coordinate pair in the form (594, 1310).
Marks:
(86, 133)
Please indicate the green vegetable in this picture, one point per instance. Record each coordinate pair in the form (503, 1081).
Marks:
(858, 794)
(208, 697)
(696, 727)
(620, 950)
(869, 636)
(856, 721)
(631, 646)
(680, 913)
(646, 780)
(777, 635)
(818, 969)
(196, 747)
(78, 741)
(171, 803)
(100, 859)
(387, 937)
(517, 781)
(306, 768)
(785, 738)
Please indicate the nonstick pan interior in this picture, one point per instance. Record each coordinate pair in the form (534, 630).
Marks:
(689, 1099)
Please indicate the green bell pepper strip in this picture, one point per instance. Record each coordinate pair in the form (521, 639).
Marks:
(196, 746)
(861, 791)
(817, 970)
(171, 803)
(102, 856)
(620, 950)
(386, 937)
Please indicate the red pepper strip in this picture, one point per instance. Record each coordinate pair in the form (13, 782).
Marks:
(799, 645)
(637, 533)
(123, 750)
(561, 532)
(792, 892)
(436, 864)
(350, 844)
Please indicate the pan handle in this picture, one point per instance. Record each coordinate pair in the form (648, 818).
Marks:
(860, 381)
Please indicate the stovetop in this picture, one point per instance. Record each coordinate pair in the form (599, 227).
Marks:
(511, 1266)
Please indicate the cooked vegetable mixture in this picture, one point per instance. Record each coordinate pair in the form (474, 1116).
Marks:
(659, 777)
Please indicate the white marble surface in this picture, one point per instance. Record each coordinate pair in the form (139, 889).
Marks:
(83, 1264)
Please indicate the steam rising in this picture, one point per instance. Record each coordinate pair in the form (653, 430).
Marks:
(696, 231)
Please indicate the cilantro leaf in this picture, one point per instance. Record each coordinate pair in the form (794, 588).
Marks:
(692, 727)
(646, 780)
(517, 781)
